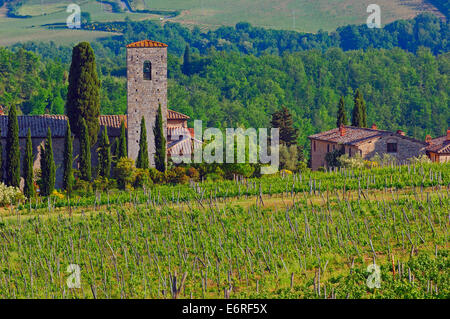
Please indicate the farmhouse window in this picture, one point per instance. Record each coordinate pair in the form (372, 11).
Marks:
(392, 147)
(314, 145)
(147, 70)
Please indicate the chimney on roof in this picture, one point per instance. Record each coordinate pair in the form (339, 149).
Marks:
(448, 134)
(428, 139)
(400, 132)
(342, 130)
(374, 126)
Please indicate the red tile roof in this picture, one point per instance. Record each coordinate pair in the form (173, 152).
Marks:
(147, 44)
(355, 135)
(38, 124)
(174, 115)
(440, 145)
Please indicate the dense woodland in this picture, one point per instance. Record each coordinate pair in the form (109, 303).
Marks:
(405, 85)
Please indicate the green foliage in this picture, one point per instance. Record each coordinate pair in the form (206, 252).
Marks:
(104, 155)
(282, 119)
(121, 145)
(288, 157)
(359, 116)
(10, 195)
(83, 95)
(341, 115)
(160, 142)
(12, 149)
(28, 188)
(48, 168)
(68, 178)
(186, 68)
(142, 178)
(1, 160)
(124, 171)
(85, 153)
(142, 159)
(332, 158)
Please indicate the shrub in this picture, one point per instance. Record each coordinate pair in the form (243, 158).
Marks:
(422, 159)
(156, 176)
(82, 187)
(104, 184)
(142, 178)
(354, 162)
(193, 174)
(10, 195)
(124, 172)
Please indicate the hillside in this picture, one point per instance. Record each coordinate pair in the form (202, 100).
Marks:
(28, 19)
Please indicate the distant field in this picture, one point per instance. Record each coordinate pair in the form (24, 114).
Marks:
(13, 30)
(300, 15)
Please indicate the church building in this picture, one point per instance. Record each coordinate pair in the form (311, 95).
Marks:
(146, 90)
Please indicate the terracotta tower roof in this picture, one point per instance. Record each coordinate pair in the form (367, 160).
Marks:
(147, 44)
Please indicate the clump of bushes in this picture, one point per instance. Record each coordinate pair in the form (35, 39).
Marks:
(10, 195)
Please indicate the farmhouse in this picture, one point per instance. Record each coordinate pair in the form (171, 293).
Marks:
(146, 90)
(365, 142)
(439, 148)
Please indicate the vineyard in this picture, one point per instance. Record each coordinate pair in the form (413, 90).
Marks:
(303, 235)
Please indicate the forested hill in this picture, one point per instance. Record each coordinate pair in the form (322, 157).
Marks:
(424, 30)
(226, 89)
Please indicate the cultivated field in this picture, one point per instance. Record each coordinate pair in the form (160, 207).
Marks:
(300, 15)
(310, 235)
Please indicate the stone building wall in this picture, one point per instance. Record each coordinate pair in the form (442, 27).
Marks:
(406, 147)
(144, 96)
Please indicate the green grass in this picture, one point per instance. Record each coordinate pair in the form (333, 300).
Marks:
(13, 30)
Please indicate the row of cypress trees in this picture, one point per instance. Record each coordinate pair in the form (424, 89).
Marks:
(359, 114)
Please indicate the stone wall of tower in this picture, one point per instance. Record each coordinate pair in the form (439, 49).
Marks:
(144, 96)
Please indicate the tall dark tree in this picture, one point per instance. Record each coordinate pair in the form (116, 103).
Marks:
(187, 63)
(121, 146)
(1, 159)
(85, 153)
(160, 142)
(68, 160)
(341, 115)
(12, 149)
(282, 119)
(28, 188)
(83, 95)
(359, 96)
(48, 168)
(359, 111)
(104, 155)
(142, 159)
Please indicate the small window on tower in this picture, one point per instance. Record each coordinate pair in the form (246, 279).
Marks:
(147, 70)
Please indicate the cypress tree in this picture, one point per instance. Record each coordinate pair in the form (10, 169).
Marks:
(48, 168)
(160, 142)
(186, 67)
(359, 111)
(83, 97)
(341, 116)
(12, 149)
(68, 160)
(121, 150)
(142, 159)
(104, 155)
(359, 96)
(282, 119)
(85, 153)
(1, 159)
(28, 188)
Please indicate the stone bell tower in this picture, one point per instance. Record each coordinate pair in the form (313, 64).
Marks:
(147, 89)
